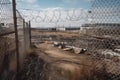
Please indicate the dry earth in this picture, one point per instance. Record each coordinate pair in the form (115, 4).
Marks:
(67, 66)
(53, 63)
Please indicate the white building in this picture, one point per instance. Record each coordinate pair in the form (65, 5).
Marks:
(60, 29)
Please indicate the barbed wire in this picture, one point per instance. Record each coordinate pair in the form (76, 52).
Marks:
(54, 15)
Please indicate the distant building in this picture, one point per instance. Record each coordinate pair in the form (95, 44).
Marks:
(100, 29)
(52, 29)
(61, 29)
(68, 29)
(73, 28)
(101, 25)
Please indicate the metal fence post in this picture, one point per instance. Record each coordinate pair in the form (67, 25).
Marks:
(30, 32)
(25, 43)
(16, 35)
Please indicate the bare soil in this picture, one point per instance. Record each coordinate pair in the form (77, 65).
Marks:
(52, 63)
(62, 65)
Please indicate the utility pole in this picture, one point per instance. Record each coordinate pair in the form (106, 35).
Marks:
(16, 36)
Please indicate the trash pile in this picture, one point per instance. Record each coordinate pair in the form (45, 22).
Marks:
(65, 47)
(82, 49)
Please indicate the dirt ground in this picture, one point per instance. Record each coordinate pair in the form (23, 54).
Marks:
(53, 63)
(68, 33)
(65, 65)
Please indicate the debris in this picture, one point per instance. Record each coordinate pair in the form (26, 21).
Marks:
(67, 49)
(79, 50)
(117, 50)
(63, 45)
(60, 44)
(56, 44)
(109, 54)
(60, 47)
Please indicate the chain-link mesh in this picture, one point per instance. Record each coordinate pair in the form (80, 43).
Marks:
(99, 33)
(7, 41)
(23, 35)
(6, 17)
(8, 59)
(101, 36)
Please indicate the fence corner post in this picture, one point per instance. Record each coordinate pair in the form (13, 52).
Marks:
(16, 37)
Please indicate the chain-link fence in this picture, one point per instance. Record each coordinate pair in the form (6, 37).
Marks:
(7, 43)
(6, 17)
(8, 40)
(101, 36)
(23, 36)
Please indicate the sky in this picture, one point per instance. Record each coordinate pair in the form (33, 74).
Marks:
(68, 13)
(54, 13)
(53, 3)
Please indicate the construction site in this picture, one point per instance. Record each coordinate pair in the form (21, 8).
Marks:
(60, 43)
